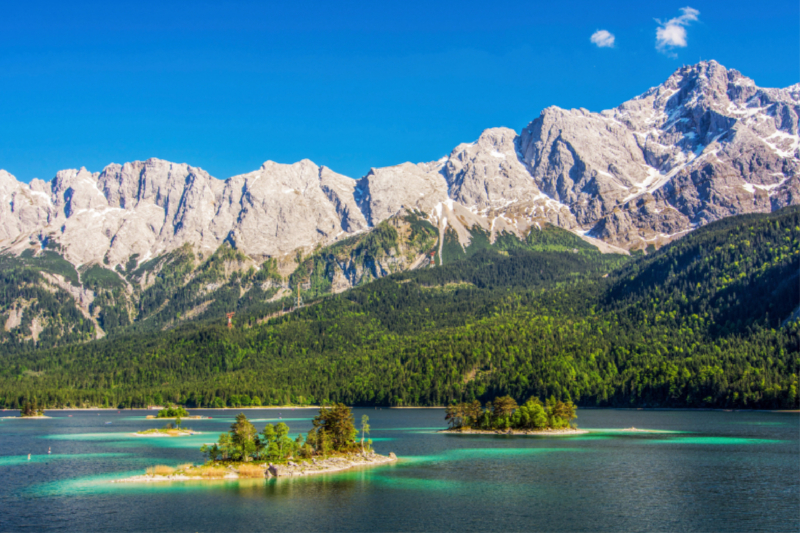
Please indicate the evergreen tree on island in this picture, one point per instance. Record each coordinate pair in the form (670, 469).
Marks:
(30, 408)
(334, 433)
(503, 414)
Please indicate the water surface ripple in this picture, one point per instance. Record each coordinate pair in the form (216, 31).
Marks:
(701, 471)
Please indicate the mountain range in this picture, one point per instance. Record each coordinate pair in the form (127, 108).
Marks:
(705, 144)
(150, 238)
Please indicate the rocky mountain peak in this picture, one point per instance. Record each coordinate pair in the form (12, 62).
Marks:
(7, 181)
(385, 191)
(488, 173)
(618, 167)
(706, 143)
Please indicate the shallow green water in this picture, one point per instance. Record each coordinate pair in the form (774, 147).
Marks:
(696, 471)
(16, 460)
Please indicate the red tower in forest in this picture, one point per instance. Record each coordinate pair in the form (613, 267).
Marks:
(230, 316)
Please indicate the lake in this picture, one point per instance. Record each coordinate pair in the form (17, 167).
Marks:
(702, 471)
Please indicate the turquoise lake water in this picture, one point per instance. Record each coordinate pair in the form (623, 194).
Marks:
(702, 471)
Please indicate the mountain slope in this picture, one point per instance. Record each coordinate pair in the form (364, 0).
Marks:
(695, 324)
(140, 238)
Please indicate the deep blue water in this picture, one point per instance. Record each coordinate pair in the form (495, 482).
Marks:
(705, 471)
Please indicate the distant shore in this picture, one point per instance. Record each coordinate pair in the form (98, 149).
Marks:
(723, 409)
(416, 407)
(793, 411)
(188, 408)
(190, 417)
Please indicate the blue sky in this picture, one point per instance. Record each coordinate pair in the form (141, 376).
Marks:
(351, 85)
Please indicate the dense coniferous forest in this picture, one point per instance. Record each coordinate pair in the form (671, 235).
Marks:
(503, 413)
(703, 322)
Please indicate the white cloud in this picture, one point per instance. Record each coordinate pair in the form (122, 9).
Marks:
(603, 39)
(672, 33)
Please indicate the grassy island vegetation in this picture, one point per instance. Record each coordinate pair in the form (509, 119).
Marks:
(167, 431)
(170, 430)
(505, 414)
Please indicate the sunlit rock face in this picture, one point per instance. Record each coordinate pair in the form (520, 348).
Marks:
(154, 206)
(705, 144)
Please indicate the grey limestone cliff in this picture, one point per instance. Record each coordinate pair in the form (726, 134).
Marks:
(705, 144)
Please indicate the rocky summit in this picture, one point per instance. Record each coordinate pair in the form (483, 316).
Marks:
(706, 144)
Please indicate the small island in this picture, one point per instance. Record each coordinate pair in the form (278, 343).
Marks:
(31, 410)
(170, 430)
(504, 416)
(176, 412)
(334, 444)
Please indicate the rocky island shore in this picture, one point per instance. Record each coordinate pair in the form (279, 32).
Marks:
(263, 470)
(325, 466)
(165, 432)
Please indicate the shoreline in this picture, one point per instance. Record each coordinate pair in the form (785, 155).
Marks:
(162, 434)
(419, 407)
(722, 409)
(517, 432)
(291, 469)
(296, 407)
(196, 417)
(187, 408)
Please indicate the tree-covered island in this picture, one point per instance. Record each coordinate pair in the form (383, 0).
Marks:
(170, 430)
(334, 443)
(31, 410)
(504, 415)
(176, 412)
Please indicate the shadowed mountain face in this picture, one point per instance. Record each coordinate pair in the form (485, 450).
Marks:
(706, 144)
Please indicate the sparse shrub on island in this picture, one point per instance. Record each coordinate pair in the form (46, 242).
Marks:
(160, 470)
(251, 470)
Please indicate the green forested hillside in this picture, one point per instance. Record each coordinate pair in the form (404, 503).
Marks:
(188, 284)
(39, 311)
(700, 323)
